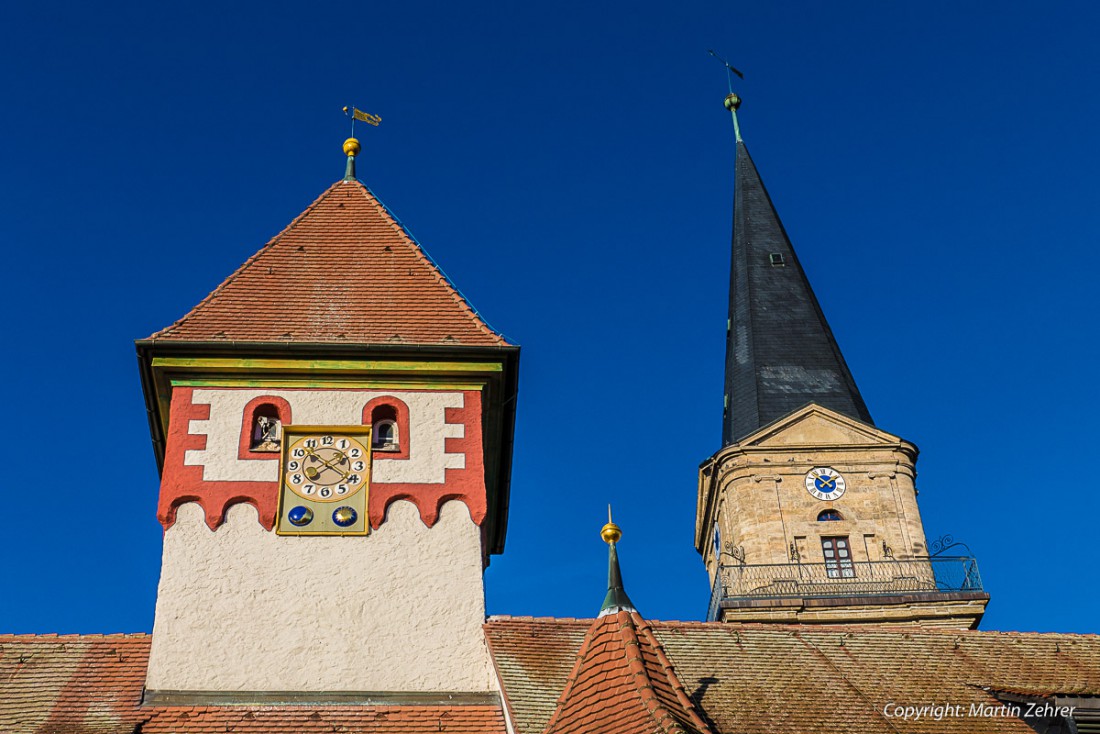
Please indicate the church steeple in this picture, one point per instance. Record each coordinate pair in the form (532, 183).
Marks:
(808, 513)
(780, 351)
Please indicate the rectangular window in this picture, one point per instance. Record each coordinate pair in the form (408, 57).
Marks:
(838, 558)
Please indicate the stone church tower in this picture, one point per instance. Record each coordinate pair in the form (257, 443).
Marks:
(809, 511)
(333, 425)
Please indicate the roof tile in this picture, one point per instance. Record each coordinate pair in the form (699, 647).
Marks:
(92, 684)
(621, 681)
(798, 679)
(344, 271)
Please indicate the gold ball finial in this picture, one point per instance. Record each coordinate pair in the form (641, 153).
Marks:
(610, 532)
(351, 147)
(732, 102)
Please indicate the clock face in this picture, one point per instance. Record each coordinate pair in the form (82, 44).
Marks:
(326, 468)
(825, 483)
(324, 479)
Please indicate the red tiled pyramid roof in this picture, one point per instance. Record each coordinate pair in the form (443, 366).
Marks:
(800, 679)
(344, 271)
(622, 683)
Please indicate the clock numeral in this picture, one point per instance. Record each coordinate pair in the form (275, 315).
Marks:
(311, 443)
(355, 453)
(308, 489)
(298, 453)
(296, 478)
(354, 479)
(324, 492)
(343, 443)
(327, 440)
(358, 466)
(293, 466)
(341, 489)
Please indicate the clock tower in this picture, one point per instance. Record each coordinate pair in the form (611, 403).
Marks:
(808, 513)
(333, 427)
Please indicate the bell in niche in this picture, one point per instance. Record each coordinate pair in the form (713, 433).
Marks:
(266, 432)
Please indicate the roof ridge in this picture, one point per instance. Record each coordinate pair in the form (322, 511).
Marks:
(670, 671)
(456, 293)
(655, 706)
(248, 262)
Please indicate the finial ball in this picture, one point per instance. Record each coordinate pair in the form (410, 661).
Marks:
(351, 146)
(732, 102)
(611, 533)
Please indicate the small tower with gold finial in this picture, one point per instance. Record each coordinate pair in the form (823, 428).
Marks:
(616, 599)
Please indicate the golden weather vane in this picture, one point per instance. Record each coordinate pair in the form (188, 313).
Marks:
(358, 114)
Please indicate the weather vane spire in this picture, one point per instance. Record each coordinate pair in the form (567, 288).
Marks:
(732, 100)
(351, 145)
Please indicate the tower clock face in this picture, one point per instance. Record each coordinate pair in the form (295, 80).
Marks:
(825, 483)
(326, 468)
(324, 478)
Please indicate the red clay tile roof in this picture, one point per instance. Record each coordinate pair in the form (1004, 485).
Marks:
(344, 271)
(795, 680)
(86, 684)
(747, 678)
(307, 719)
(92, 684)
(622, 683)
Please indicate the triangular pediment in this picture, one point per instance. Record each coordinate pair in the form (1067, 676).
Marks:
(814, 425)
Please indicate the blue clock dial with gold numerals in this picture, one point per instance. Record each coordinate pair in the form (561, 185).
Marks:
(825, 483)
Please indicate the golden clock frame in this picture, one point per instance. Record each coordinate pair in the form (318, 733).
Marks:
(306, 430)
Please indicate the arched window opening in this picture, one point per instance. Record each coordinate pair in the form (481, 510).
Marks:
(829, 516)
(267, 429)
(384, 434)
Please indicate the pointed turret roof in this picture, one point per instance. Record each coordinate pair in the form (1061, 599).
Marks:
(344, 271)
(616, 599)
(780, 351)
(623, 683)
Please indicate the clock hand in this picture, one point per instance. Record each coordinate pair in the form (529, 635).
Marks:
(316, 473)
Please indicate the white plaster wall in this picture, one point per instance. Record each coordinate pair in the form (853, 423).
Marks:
(428, 431)
(244, 609)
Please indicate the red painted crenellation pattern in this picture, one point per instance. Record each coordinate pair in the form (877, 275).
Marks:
(181, 483)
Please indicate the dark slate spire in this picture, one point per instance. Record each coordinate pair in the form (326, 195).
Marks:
(616, 600)
(780, 352)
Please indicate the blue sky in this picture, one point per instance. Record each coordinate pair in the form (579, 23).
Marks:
(570, 167)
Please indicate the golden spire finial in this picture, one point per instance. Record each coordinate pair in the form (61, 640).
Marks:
(351, 145)
(610, 532)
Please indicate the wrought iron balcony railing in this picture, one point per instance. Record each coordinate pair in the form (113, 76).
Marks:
(936, 574)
